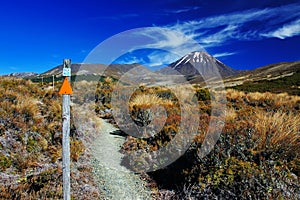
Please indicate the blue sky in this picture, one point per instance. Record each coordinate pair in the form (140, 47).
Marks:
(36, 35)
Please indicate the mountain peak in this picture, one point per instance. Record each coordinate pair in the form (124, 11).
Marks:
(199, 62)
(195, 57)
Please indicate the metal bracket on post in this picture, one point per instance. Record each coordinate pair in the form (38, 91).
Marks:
(66, 91)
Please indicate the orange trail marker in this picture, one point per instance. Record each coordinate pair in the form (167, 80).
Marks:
(66, 87)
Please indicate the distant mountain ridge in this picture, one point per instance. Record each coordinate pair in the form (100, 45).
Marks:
(22, 74)
(276, 78)
(276, 69)
(268, 72)
(185, 66)
(95, 69)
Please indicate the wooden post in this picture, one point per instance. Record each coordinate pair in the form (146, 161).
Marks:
(66, 146)
(66, 91)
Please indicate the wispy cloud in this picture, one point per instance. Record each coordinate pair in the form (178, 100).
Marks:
(229, 32)
(161, 59)
(218, 55)
(170, 40)
(183, 10)
(174, 43)
(153, 46)
(254, 24)
(288, 30)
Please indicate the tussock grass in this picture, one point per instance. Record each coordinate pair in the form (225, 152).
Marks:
(268, 101)
(278, 131)
(30, 144)
(108, 80)
(230, 115)
(234, 94)
(147, 100)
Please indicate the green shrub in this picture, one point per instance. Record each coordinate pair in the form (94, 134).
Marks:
(287, 84)
(5, 162)
(202, 94)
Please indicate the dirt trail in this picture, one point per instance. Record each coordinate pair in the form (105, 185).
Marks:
(115, 181)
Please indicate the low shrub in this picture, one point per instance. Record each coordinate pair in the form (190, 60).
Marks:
(256, 156)
(5, 162)
(30, 143)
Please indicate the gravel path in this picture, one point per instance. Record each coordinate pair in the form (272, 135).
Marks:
(115, 181)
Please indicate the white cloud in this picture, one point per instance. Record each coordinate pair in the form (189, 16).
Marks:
(216, 30)
(160, 59)
(172, 41)
(183, 10)
(218, 55)
(168, 45)
(288, 30)
(236, 18)
(255, 24)
(219, 37)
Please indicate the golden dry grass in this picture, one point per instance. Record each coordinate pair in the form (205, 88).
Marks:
(267, 99)
(149, 100)
(27, 107)
(276, 122)
(285, 99)
(234, 94)
(278, 129)
(230, 115)
(183, 91)
(256, 96)
(108, 80)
